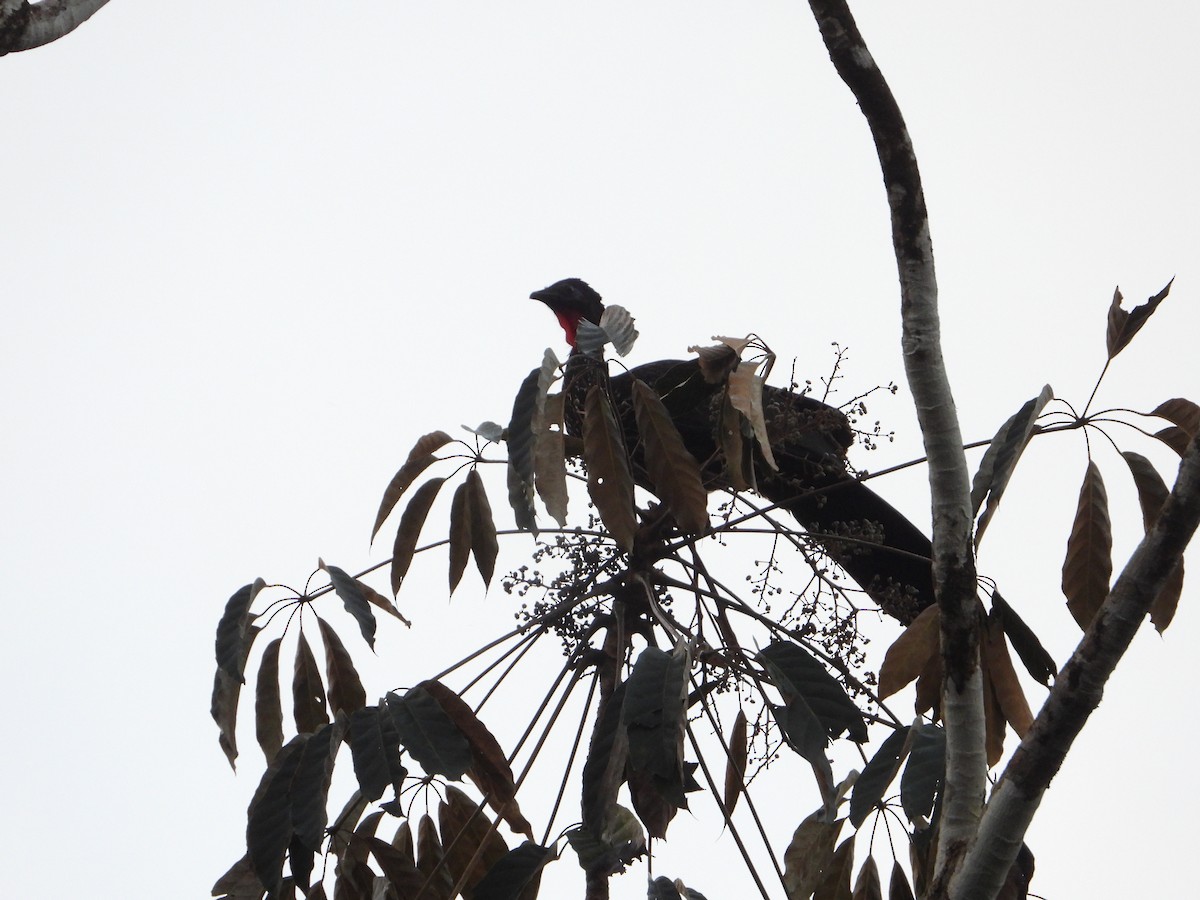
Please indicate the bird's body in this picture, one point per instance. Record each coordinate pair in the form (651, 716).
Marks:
(871, 540)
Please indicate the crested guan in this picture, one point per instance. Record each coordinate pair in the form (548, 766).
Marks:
(869, 538)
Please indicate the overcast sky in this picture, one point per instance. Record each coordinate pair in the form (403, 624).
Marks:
(250, 253)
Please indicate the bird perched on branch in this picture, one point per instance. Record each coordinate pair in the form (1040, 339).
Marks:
(870, 539)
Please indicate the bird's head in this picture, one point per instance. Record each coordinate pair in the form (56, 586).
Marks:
(571, 300)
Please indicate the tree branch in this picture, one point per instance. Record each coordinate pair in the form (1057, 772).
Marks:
(1079, 687)
(953, 560)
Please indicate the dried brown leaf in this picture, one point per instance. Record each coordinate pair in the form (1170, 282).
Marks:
(268, 707)
(929, 686)
(550, 462)
(739, 465)
(1152, 494)
(419, 459)
(610, 483)
(993, 720)
(745, 393)
(735, 766)
(308, 694)
(868, 885)
(909, 654)
(835, 880)
(1087, 568)
(226, 690)
(1005, 684)
(808, 854)
(1122, 325)
(717, 361)
(410, 529)
(673, 470)
(346, 693)
(460, 534)
(484, 544)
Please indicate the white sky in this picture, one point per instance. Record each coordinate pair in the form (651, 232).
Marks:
(250, 255)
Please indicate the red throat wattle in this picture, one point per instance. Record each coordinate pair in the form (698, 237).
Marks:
(569, 320)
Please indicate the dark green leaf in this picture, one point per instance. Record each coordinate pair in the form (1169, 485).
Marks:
(355, 600)
(484, 543)
(1037, 661)
(375, 750)
(233, 630)
(419, 459)
(429, 734)
(877, 776)
(269, 818)
(797, 674)
(308, 694)
(610, 484)
(1000, 459)
(460, 534)
(310, 787)
(516, 873)
(410, 529)
(922, 778)
(471, 845)
(226, 691)
(268, 707)
(346, 692)
(673, 470)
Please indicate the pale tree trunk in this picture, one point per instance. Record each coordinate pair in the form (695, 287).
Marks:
(953, 558)
(25, 25)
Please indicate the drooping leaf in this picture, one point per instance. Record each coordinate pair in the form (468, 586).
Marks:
(226, 691)
(898, 888)
(239, 883)
(803, 730)
(403, 840)
(868, 885)
(604, 767)
(516, 874)
(877, 776)
(489, 768)
(662, 888)
(1175, 438)
(1001, 456)
(309, 790)
(526, 414)
(673, 470)
(835, 879)
(520, 500)
(993, 716)
(471, 845)
(735, 764)
(550, 462)
(610, 483)
(428, 734)
(808, 854)
(484, 544)
(234, 629)
(1182, 412)
(419, 459)
(1087, 568)
(745, 393)
(1122, 326)
(344, 824)
(410, 529)
(1152, 494)
(460, 534)
(929, 687)
(653, 712)
(739, 463)
(269, 817)
(308, 694)
(923, 775)
(397, 868)
(797, 674)
(1005, 683)
(1037, 661)
(375, 751)
(346, 692)
(488, 430)
(268, 707)
(354, 596)
(910, 652)
(609, 853)
(439, 884)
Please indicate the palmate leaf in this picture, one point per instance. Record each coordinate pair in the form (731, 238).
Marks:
(610, 483)
(654, 709)
(309, 789)
(673, 470)
(460, 534)
(735, 765)
(308, 694)
(516, 874)
(233, 629)
(549, 460)
(909, 654)
(797, 674)
(489, 769)
(428, 734)
(226, 691)
(346, 692)
(604, 768)
(439, 884)
(1087, 568)
(269, 817)
(877, 776)
(923, 775)
(410, 529)
(1001, 456)
(354, 598)
(268, 706)
(527, 413)
(419, 459)
(375, 751)
(1122, 325)
(1152, 494)
(808, 855)
(397, 868)
(1181, 412)
(471, 845)
(484, 544)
